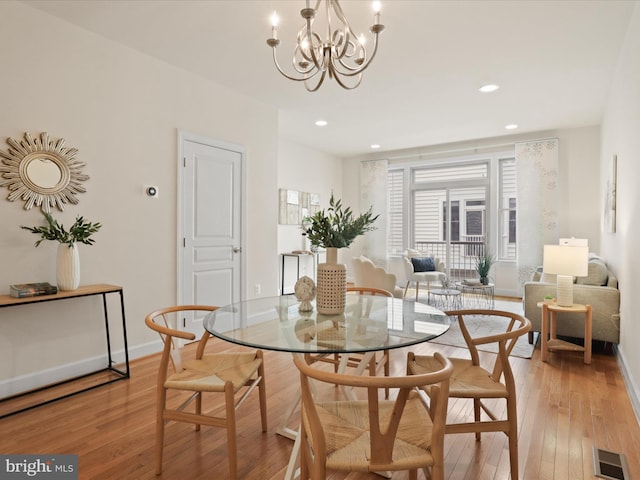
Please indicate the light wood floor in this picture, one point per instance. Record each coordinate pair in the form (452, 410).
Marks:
(565, 409)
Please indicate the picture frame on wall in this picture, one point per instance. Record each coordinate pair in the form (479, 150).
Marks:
(610, 197)
(295, 205)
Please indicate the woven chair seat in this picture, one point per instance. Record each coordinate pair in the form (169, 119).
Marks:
(467, 380)
(211, 373)
(348, 441)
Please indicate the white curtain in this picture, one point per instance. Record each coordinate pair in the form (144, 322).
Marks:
(373, 193)
(537, 218)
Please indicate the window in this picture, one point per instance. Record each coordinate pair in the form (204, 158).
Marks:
(512, 220)
(455, 209)
(455, 221)
(395, 236)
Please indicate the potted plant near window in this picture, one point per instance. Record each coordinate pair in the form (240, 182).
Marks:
(483, 266)
(335, 228)
(68, 260)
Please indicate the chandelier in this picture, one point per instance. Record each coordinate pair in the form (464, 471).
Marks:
(341, 55)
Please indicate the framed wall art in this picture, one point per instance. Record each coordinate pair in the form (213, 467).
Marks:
(610, 197)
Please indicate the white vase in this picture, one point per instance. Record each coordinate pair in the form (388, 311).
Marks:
(68, 267)
(331, 288)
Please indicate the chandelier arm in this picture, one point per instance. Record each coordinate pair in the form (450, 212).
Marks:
(313, 49)
(303, 64)
(348, 31)
(286, 75)
(320, 81)
(353, 71)
(344, 85)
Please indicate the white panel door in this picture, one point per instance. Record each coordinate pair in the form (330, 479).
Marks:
(211, 253)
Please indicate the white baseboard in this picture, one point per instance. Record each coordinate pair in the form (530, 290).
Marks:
(23, 383)
(632, 388)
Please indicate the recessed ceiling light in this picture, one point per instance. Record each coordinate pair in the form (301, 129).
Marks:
(489, 88)
(375, 145)
(511, 126)
(321, 123)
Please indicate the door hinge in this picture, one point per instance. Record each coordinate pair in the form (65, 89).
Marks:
(184, 242)
(184, 161)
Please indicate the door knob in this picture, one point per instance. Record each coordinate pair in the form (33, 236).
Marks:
(236, 249)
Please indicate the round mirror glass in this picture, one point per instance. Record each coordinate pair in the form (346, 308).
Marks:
(44, 173)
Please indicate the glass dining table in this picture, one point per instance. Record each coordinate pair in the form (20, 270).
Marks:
(369, 324)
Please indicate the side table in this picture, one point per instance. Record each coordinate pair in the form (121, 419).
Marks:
(549, 319)
(445, 298)
(477, 295)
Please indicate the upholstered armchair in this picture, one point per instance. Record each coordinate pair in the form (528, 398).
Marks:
(417, 267)
(367, 274)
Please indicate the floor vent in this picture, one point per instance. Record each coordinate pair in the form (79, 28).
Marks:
(610, 465)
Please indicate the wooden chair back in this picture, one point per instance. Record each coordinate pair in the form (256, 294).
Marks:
(382, 431)
(515, 326)
(164, 321)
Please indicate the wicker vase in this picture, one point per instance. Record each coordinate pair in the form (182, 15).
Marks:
(331, 285)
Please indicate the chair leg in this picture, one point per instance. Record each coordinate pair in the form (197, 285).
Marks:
(198, 408)
(262, 395)
(513, 436)
(406, 287)
(161, 404)
(530, 334)
(232, 448)
(476, 414)
(417, 289)
(437, 472)
(387, 370)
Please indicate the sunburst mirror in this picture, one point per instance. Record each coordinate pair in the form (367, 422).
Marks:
(42, 172)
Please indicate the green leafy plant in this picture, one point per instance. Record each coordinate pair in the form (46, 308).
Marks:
(80, 231)
(484, 264)
(337, 227)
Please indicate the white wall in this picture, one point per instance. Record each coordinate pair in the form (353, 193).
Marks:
(620, 137)
(306, 170)
(122, 110)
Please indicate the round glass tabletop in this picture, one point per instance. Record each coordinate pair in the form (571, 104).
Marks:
(369, 323)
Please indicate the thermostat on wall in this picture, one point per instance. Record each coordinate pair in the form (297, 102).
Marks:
(151, 191)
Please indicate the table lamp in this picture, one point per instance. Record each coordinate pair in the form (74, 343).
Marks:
(566, 262)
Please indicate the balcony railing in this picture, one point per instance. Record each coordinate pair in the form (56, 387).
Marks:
(461, 261)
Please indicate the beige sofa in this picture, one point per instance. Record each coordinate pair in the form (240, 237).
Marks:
(599, 289)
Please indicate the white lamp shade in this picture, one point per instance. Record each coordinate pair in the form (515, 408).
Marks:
(566, 260)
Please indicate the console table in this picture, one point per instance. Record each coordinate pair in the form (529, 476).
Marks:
(296, 257)
(82, 291)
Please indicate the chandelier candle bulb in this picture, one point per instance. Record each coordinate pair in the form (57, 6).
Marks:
(274, 26)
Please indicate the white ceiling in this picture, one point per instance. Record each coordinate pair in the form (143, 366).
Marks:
(554, 61)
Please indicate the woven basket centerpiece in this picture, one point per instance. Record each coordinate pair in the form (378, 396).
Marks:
(332, 285)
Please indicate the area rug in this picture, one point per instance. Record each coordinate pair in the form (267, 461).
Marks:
(488, 325)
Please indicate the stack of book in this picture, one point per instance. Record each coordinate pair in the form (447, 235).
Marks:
(23, 290)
